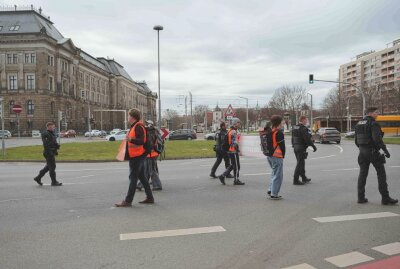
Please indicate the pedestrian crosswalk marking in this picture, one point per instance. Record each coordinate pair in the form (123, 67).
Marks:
(301, 266)
(349, 259)
(355, 217)
(389, 249)
(167, 233)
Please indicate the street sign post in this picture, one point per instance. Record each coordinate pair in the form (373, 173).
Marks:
(17, 109)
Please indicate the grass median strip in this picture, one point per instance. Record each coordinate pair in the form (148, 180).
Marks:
(106, 151)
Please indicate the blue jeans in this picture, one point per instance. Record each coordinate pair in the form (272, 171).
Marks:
(276, 175)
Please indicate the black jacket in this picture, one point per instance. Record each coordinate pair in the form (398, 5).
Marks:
(301, 136)
(50, 144)
(376, 135)
(280, 139)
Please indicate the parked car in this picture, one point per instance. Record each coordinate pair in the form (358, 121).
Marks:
(118, 136)
(6, 134)
(36, 134)
(326, 135)
(114, 131)
(210, 136)
(93, 133)
(183, 134)
(351, 134)
(69, 133)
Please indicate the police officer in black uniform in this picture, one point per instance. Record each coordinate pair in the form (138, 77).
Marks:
(368, 139)
(50, 146)
(301, 140)
(220, 152)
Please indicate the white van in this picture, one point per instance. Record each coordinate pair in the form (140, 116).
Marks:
(36, 134)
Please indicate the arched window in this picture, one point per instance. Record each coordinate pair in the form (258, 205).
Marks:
(11, 104)
(30, 107)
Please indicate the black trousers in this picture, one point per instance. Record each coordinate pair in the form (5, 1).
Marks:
(49, 167)
(365, 158)
(138, 170)
(234, 164)
(300, 170)
(220, 157)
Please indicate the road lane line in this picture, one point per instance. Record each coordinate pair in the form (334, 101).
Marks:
(344, 169)
(355, 217)
(341, 149)
(167, 233)
(390, 263)
(259, 174)
(301, 266)
(19, 199)
(389, 249)
(349, 259)
(92, 169)
(323, 157)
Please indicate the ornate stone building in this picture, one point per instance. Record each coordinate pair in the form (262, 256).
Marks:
(46, 73)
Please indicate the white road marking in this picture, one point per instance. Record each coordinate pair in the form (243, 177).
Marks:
(349, 259)
(15, 200)
(259, 174)
(301, 266)
(341, 149)
(395, 166)
(344, 169)
(167, 233)
(323, 157)
(356, 217)
(68, 183)
(389, 249)
(102, 169)
(80, 177)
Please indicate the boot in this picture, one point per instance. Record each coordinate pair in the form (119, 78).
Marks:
(38, 180)
(56, 183)
(362, 200)
(297, 182)
(238, 182)
(222, 179)
(213, 175)
(389, 201)
(306, 180)
(147, 201)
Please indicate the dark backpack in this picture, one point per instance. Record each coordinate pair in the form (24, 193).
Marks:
(154, 140)
(267, 146)
(225, 142)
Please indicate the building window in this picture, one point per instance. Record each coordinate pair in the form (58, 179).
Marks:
(30, 58)
(26, 58)
(30, 82)
(52, 108)
(14, 28)
(12, 58)
(15, 58)
(12, 82)
(50, 60)
(64, 86)
(51, 84)
(11, 105)
(30, 107)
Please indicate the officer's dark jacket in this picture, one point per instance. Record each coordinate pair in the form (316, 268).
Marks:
(219, 138)
(369, 133)
(301, 136)
(50, 144)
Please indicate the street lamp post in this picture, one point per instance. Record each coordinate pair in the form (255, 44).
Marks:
(247, 112)
(311, 112)
(158, 28)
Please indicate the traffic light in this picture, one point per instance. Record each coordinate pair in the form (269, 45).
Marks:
(311, 79)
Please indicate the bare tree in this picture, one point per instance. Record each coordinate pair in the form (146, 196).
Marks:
(288, 98)
(199, 113)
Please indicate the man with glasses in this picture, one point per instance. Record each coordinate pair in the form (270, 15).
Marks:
(368, 139)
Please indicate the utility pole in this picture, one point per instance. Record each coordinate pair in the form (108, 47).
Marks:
(311, 112)
(3, 148)
(187, 122)
(247, 113)
(191, 111)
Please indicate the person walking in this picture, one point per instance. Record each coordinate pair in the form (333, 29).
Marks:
(152, 160)
(50, 151)
(220, 151)
(368, 139)
(136, 139)
(233, 153)
(301, 140)
(275, 161)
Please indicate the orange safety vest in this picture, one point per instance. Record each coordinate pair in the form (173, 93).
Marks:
(278, 152)
(133, 149)
(231, 147)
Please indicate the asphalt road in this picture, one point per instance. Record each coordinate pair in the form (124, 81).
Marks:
(77, 226)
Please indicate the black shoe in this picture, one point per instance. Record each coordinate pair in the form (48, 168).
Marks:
(38, 181)
(298, 182)
(238, 182)
(277, 197)
(306, 180)
(222, 179)
(213, 175)
(269, 193)
(157, 189)
(362, 200)
(56, 183)
(389, 201)
(229, 176)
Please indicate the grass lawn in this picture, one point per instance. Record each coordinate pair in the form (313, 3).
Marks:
(106, 151)
(387, 140)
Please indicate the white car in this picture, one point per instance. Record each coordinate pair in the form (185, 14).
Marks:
(118, 136)
(114, 131)
(6, 134)
(93, 133)
(36, 134)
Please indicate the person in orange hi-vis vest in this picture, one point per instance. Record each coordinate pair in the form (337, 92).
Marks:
(136, 139)
(275, 161)
(233, 153)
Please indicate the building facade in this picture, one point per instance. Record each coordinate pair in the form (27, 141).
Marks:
(47, 74)
(377, 73)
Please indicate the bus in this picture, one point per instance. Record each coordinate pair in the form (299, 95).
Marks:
(390, 124)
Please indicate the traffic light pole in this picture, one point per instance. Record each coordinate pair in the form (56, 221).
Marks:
(351, 84)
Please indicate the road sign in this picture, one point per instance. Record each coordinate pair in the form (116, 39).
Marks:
(230, 112)
(165, 133)
(17, 109)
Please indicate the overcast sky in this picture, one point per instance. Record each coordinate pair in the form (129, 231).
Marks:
(222, 49)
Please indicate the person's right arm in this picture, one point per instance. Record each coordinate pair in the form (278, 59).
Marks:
(377, 138)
